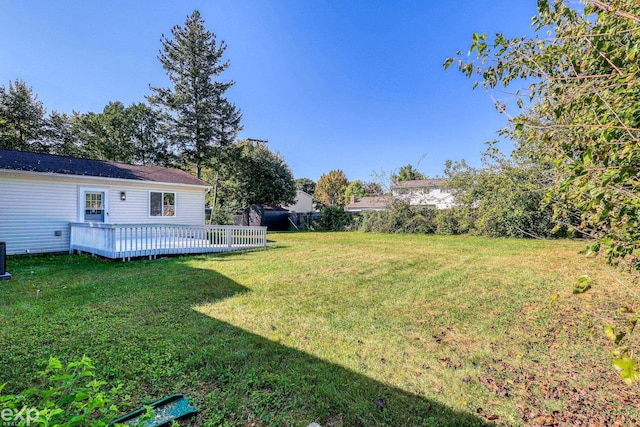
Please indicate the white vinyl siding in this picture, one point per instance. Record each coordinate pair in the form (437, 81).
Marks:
(428, 197)
(34, 206)
(189, 205)
(303, 203)
(31, 211)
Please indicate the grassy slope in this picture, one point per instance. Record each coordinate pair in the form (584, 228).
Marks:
(445, 330)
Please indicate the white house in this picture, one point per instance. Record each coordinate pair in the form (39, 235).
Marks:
(303, 203)
(425, 193)
(45, 199)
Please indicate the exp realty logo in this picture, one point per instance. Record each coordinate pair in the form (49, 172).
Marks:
(18, 417)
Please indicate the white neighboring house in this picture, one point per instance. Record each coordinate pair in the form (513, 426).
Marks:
(427, 193)
(41, 195)
(303, 203)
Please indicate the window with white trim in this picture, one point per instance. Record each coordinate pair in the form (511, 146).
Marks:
(162, 204)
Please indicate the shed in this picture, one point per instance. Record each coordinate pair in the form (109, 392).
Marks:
(275, 218)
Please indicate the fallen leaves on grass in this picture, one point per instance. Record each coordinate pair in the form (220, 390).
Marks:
(491, 385)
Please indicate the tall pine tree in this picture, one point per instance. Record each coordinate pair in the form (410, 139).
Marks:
(200, 121)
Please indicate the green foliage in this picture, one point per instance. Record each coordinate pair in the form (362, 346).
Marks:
(199, 120)
(223, 215)
(580, 95)
(355, 189)
(335, 218)
(407, 173)
(122, 134)
(106, 135)
(373, 188)
(253, 174)
(306, 184)
(504, 198)
(23, 125)
(399, 218)
(619, 331)
(452, 221)
(628, 369)
(63, 137)
(65, 396)
(583, 285)
(148, 144)
(331, 187)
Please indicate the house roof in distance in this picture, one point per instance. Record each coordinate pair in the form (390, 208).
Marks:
(49, 163)
(369, 203)
(421, 183)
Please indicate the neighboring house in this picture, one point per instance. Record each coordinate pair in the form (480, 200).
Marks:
(372, 203)
(42, 194)
(427, 193)
(303, 203)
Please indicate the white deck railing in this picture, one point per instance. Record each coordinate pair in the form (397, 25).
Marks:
(139, 240)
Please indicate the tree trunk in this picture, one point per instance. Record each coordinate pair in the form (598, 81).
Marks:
(215, 197)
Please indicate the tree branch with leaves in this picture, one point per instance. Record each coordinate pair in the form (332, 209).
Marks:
(575, 86)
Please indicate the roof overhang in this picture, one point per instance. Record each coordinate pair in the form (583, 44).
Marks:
(99, 178)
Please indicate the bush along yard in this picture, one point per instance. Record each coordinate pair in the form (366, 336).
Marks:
(342, 329)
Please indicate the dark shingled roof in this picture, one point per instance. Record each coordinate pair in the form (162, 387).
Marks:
(48, 163)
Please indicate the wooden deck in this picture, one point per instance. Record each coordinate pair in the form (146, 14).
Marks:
(126, 241)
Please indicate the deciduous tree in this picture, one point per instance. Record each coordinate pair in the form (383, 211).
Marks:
(62, 137)
(373, 188)
(407, 173)
(577, 83)
(503, 198)
(107, 135)
(331, 187)
(580, 95)
(257, 176)
(149, 145)
(356, 189)
(306, 184)
(23, 121)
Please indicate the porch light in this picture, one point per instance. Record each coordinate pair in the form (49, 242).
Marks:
(123, 195)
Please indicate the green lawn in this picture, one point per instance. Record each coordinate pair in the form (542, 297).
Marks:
(443, 330)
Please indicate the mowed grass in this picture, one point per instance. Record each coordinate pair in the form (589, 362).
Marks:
(338, 328)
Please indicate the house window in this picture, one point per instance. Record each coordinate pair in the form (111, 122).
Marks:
(162, 204)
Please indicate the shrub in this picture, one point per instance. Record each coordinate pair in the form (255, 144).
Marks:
(223, 215)
(65, 396)
(399, 218)
(504, 198)
(335, 218)
(453, 221)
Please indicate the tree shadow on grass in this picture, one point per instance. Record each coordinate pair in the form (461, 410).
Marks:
(258, 380)
(145, 334)
(253, 379)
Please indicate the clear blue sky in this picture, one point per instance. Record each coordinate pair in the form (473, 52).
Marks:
(350, 84)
